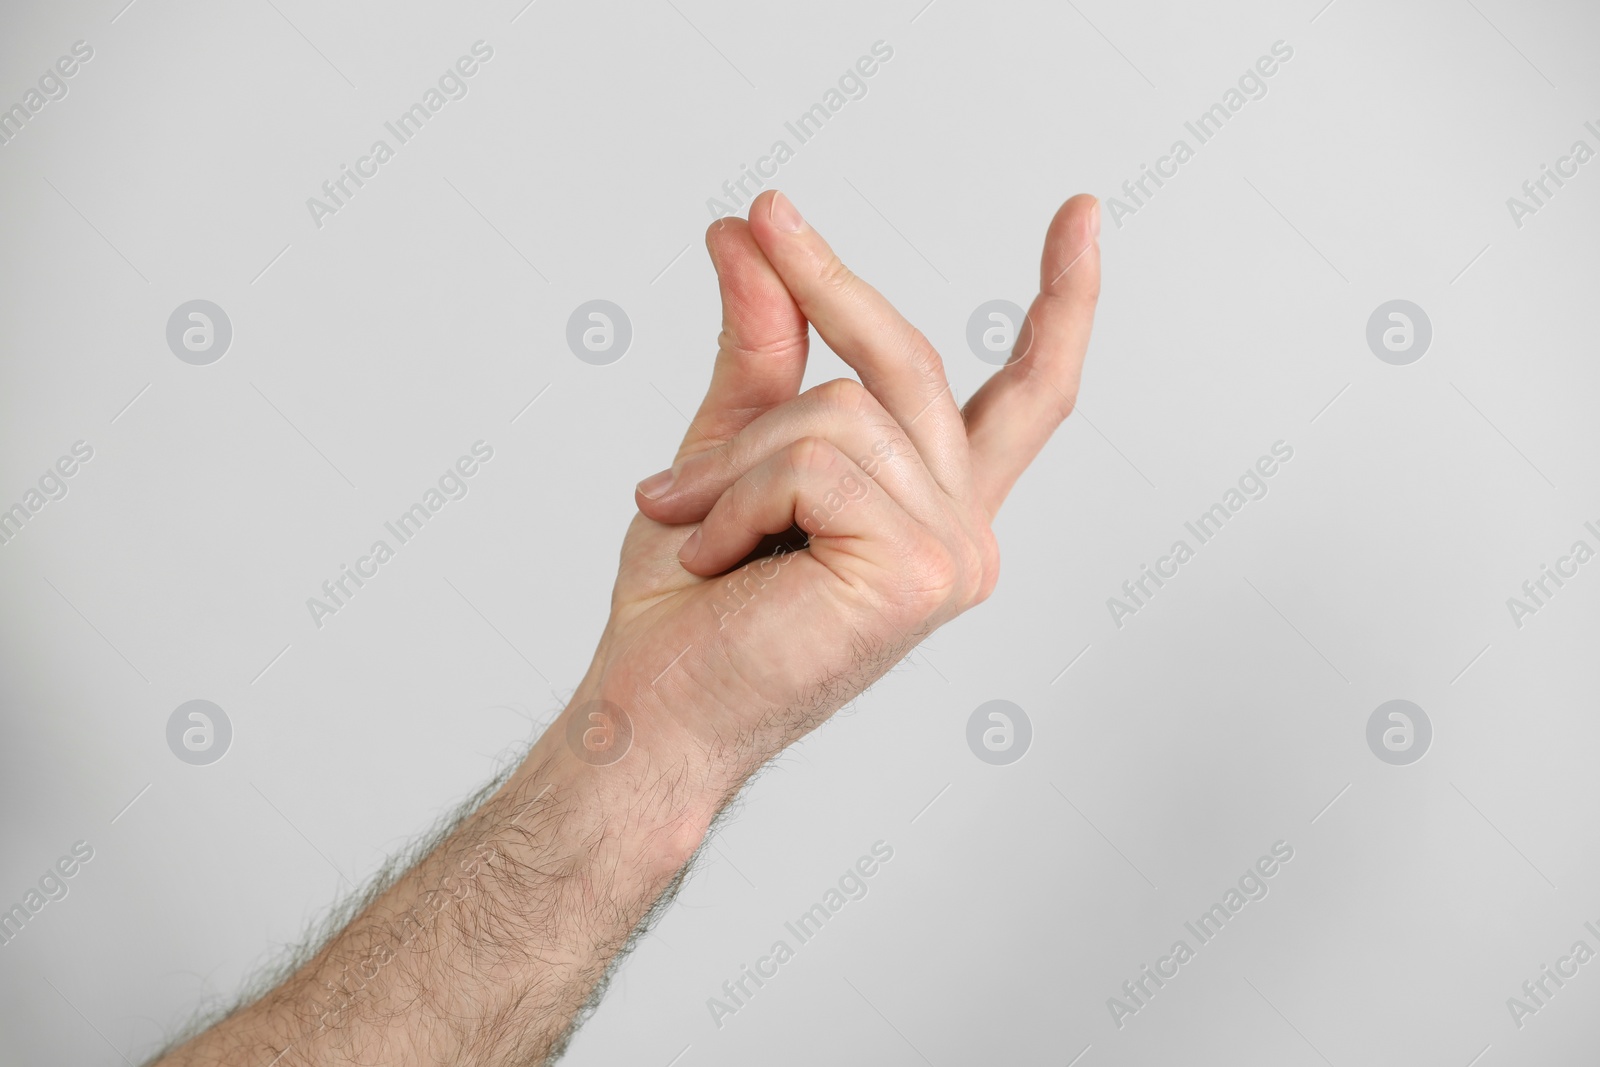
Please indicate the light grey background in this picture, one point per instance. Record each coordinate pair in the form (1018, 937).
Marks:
(1229, 714)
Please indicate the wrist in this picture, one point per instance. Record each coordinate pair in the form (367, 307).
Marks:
(622, 770)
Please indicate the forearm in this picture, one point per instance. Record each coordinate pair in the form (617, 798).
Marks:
(486, 950)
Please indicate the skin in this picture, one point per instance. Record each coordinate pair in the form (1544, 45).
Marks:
(491, 948)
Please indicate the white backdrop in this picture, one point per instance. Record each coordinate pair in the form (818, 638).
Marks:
(372, 342)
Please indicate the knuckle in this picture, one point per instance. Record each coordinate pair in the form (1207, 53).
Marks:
(1051, 391)
(1066, 397)
(890, 446)
(946, 579)
(713, 467)
(1091, 289)
(1083, 288)
(811, 455)
(932, 580)
(835, 276)
(921, 355)
(1070, 404)
(844, 395)
(847, 400)
(761, 352)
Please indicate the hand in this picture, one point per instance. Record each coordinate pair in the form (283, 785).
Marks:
(487, 950)
(893, 486)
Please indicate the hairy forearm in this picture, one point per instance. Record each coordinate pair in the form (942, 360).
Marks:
(488, 949)
(831, 531)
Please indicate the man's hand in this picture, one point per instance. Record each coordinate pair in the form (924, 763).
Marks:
(489, 950)
(891, 483)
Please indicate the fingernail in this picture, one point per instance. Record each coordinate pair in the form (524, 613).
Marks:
(784, 216)
(656, 484)
(690, 547)
(1094, 221)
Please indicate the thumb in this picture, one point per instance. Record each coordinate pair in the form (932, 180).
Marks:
(761, 351)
